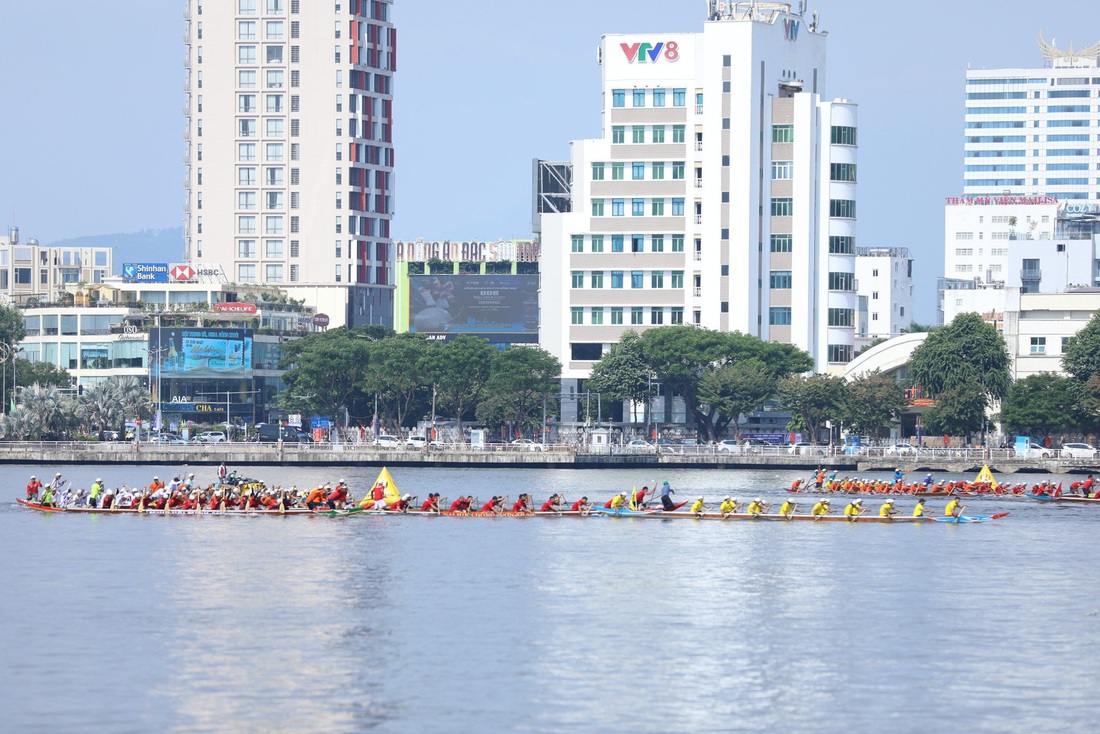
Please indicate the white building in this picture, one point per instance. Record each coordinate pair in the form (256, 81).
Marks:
(722, 193)
(30, 272)
(289, 129)
(885, 278)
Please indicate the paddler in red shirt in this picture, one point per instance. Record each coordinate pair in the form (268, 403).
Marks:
(339, 496)
(462, 504)
(493, 505)
(522, 505)
(431, 504)
(552, 505)
(33, 486)
(580, 505)
(401, 505)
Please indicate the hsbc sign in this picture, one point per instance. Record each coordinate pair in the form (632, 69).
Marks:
(188, 272)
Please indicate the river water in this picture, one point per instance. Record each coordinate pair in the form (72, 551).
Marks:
(413, 624)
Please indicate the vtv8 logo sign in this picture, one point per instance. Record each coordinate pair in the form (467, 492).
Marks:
(650, 52)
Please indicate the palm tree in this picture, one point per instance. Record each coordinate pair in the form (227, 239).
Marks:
(19, 424)
(134, 398)
(101, 405)
(53, 413)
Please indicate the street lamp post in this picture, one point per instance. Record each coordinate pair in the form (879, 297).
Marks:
(5, 354)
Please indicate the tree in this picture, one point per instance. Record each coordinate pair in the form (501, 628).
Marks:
(51, 412)
(622, 375)
(394, 373)
(958, 410)
(875, 403)
(12, 328)
(738, 388)
(1040, 404)
(522, 379)
(814, 399)
(1081, 355)
(459, 369)
(325, 370)
(967, 353)
(40, 373)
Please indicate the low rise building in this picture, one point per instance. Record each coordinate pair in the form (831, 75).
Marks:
(30, 272)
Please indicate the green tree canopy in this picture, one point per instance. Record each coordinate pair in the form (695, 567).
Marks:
(814, 400)
(958, 410)
(40, 373)
(875, 404)
(522, 379)
(1081, 355)
(622, 374)
(738, 388)
(394, 372)
(1040, 404)
(966, 352)
(325, 370)
(459, 369)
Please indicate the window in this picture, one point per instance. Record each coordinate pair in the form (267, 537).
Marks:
(246, 199)
(841, 317)
(616, 279)
(658, 98)
(274, 30)
(274, 53)
(597, 243)
(657, 171)
(637, 243)
(843, 135)
(677, 243)
(782, 133)
(842, 281)
(637, 207)
(246, 30)
(617, 315)
(597, 316)
(781, 242)
(246, 248)
(678, 133)
(782, 207)
(779, 316)
(679, 98)
(597, 207)
(780, 279)
(842, 208)
(273, 249)
(842, 172)
(246, 103)
(618, 171)
(578, 279)
(1038, 345)
(246, 176)
(246, 273)
(597, 279)
(658, 207)
(639, 98)
(637, 171)
(678, 170)
(616, 243)
(657, 279)
(274, 78)
(578, 243)
(274, 103)
(618, 207)
(636, 314)
(618, 134)
(964, 252)
(274, 7)
(637, 134)
(246, 79)
(842, 245)
(656, 315)
(274, 177)
(274, 200)
(273, 225)
(782, 170)
(597, 171)
(247, 128)
(658, 133)
(576, 315)
(246, 54)
(637, 279)
(618, 98)
(840, 353)
(657, 243)
(246, 225)
(677, 207)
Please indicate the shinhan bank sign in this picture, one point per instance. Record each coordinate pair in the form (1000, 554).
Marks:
(646, 53)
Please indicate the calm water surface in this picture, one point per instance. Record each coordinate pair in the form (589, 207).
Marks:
(412, 624)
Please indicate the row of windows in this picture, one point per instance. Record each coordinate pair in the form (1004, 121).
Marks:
(1051, 152)
(1005, 167)
(638, 134)
(638, 207)
(248, 7)
(657, 97)
(782, 280)
(842, 135)
(596, 242)
(246, 30)
(596, 279)
(842, 208)
(273, 249)
(275, 78)
(637, 315)
(638, 170)
(1052, 94)
(1035, 182)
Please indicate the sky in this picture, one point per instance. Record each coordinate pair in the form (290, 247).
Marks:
(91, 137)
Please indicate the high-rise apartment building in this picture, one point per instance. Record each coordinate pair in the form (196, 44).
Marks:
(885, 276)
(289, 131)
(722, 193)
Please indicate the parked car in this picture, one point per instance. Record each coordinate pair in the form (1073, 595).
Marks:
(110, 435)
(170, 438)
(901, 449)
(807, 448)
(1078, 451)
(526, 444)
(211, 437)
(271, 432)
(389, 442)
(640, 444)
(1035, 451)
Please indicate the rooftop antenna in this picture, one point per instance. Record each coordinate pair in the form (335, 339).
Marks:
(814, 22)
(801, 7)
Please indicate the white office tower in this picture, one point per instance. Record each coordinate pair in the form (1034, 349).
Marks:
(289, 133)
(885, 277)
(722, 193)
(1029, 156)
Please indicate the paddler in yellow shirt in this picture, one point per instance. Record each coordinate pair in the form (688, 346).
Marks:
(729, 506)
(757, 507)
(698, 506)
(787, 509)
(918, 511)
(854, 510)
(954, 508)
(887, 509)
(618, 500)
(820, 510)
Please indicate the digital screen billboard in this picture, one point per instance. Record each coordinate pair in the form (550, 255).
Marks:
(495, 307)
(184, 352)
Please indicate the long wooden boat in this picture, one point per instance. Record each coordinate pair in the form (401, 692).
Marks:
(231, 513)
(915, 495)
(800, 517)
(1076, 499)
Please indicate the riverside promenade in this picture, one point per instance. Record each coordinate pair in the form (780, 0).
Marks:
(551, 457)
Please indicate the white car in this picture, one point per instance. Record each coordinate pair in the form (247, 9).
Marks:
(1078, 451)
(1035, 451)
(211, 437)
(389, 442)
(807, 448)
(901, 449)
(526, 444)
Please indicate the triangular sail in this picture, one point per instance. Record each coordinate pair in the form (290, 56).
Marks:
(986, 477)
(390, 492)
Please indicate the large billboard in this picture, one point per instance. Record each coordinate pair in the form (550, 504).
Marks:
(500, 308)
(184, 352)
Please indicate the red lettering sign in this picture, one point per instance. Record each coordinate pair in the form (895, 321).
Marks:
(320, 320)
(235, 308)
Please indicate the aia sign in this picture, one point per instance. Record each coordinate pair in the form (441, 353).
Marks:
(650, 52)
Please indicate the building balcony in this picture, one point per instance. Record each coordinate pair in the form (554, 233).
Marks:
(697, 292)
(698, 109)
(1031, 274)
(698, 183)
(698, 218)
(698, 145)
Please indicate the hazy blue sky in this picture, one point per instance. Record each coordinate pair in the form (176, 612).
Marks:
(91, 132)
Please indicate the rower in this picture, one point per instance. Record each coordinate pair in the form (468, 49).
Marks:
(431, 504)
(796, 485)
(698, 506)
(666, 496)
(729, 506)
(616, 502)
(954, 508)
(493, 505)
(553, 504)
(316, 498)
(338, 497)
(854, 509)
(522, 504)
(462, 504)
(820, 510)
(637, 499)
(757, 507)
(918, 511)
(787, 509)
(898, 475)
(403, 503)
(582, 506)
(927, 482)
(33, 487)
(887, 509)
(47, 496)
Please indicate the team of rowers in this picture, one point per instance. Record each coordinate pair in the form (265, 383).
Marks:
(820, 482)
